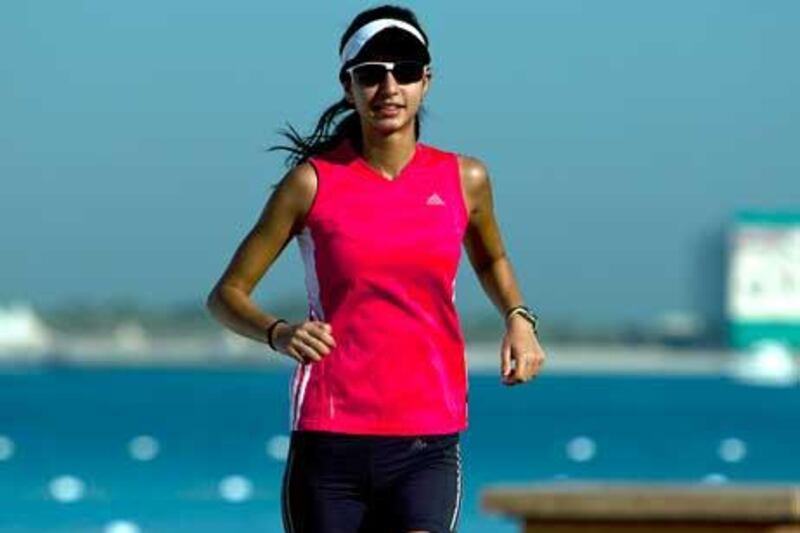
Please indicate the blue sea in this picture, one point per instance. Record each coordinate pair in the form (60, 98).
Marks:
(200, 450)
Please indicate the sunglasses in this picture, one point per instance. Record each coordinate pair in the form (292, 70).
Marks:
(372, 73)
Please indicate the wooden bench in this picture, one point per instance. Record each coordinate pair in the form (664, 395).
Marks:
(562, 507)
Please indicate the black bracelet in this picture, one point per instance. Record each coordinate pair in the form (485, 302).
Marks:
(270, 329)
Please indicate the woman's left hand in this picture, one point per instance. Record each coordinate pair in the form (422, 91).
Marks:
(521, 347)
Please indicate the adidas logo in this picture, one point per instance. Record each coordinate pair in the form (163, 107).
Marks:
(434, 199)
(418, 444)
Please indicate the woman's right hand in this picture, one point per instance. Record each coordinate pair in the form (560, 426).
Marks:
(307, 342)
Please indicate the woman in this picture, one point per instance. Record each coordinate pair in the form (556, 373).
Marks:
(379, 394)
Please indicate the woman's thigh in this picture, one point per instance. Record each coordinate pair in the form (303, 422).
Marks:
(324, 484)
(418, 484)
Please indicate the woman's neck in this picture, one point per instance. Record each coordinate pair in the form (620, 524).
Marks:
(388, 154)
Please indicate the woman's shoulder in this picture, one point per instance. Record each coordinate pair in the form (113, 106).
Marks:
(299, 184)
(471, 167)
(474, 174)
(474, 182)
(300, 176)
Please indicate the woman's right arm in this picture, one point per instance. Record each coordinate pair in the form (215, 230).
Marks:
(229, 301)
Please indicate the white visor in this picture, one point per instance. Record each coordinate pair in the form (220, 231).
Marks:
(357, 41)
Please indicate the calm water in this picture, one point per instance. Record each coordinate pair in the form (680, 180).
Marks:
(210, 424)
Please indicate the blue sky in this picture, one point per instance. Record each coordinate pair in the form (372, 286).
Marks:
(621, 136)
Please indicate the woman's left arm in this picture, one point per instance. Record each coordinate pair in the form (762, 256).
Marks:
(488, 257)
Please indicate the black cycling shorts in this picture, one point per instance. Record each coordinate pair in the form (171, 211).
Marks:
(336, 482)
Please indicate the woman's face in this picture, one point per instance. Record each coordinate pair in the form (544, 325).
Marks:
(387, 106)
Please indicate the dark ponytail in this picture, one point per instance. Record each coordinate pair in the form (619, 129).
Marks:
(331, 129)
(327, 134)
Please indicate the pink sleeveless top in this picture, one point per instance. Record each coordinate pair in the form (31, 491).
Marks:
(380, 262)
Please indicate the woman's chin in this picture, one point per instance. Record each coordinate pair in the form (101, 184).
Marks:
(388, 125)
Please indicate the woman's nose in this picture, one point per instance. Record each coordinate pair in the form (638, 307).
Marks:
(388, 81)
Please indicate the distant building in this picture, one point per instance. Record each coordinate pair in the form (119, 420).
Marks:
(22, 331)
(764, 279)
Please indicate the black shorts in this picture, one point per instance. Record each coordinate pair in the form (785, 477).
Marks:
(335, 482)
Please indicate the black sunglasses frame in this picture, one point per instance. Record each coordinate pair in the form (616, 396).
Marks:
(369, 79)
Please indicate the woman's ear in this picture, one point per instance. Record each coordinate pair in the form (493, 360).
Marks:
(348, 95)
(427, 81)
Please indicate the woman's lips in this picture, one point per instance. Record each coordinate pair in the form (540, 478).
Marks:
(388, 110)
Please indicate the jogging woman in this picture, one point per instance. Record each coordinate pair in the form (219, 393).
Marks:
(379, 393)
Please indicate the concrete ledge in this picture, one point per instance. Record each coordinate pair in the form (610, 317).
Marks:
(605, 507)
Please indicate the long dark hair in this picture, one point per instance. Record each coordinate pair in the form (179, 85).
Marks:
(330, 129)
